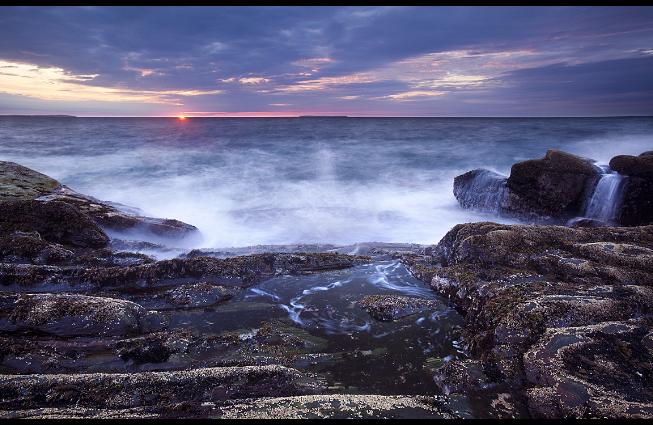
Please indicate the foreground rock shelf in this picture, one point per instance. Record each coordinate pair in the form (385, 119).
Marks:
(560, 316)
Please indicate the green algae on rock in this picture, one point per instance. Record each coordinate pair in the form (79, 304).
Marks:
(22, 183)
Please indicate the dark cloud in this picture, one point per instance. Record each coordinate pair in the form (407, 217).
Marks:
(581, 55)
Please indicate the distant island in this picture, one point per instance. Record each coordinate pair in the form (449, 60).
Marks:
(323, 116)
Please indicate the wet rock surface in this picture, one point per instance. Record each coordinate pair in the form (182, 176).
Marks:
(393, 307)
(559, 315)
(122, 219)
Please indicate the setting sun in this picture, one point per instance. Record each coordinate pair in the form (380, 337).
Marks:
(181, 118)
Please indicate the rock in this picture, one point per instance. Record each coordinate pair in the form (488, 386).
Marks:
(586, 222)
(121, 218)
(517, 284)
(334, 406)
(158, 389)
(601, 370)
(28, 247)
(37, 354)
(201, 294)
(554, 185)
(392, 307)
(461, 377)
(153, 348)
(235, 271)
(637, 204)
(539, 190)
(21, 183)
(480, 189)
(55, 222)
(75, 315)
(636, 166)
(337, 406)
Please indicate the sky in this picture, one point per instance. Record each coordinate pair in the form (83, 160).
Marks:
(357, 61)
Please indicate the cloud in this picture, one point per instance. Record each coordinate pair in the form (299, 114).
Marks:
(253, 80)
(413, 94)
(250, 58)
(51, 83)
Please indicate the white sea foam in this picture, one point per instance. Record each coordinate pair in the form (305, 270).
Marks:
(278, 182)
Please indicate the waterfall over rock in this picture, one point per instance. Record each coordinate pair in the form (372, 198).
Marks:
(607, 197)
(480, 189)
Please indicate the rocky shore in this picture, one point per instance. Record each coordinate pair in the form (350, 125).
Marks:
(69, 321)
(557, 319)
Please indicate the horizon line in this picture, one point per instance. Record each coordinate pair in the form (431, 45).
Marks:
(321, 116)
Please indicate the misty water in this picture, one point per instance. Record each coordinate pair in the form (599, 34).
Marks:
(339, 181)
(278, 181)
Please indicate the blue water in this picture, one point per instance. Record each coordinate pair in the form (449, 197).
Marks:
(277, 181)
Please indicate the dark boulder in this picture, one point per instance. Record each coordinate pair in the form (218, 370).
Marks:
(546, 190)
(637, 166)
(554, 185)
(637, 204)
(55, 222)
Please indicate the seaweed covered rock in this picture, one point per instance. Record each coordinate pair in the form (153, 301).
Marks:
(29, 247)
(75, 315)
(22, 183)
(235, 271)
(54, 221)
(201, 294)
(392, 307)
(331, 406)
(602, 370)
(517, 284)
(160, 389)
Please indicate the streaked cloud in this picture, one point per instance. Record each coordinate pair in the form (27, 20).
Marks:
(52, 83)
(348, 60)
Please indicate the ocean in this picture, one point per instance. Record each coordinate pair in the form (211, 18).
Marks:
(249, 181)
